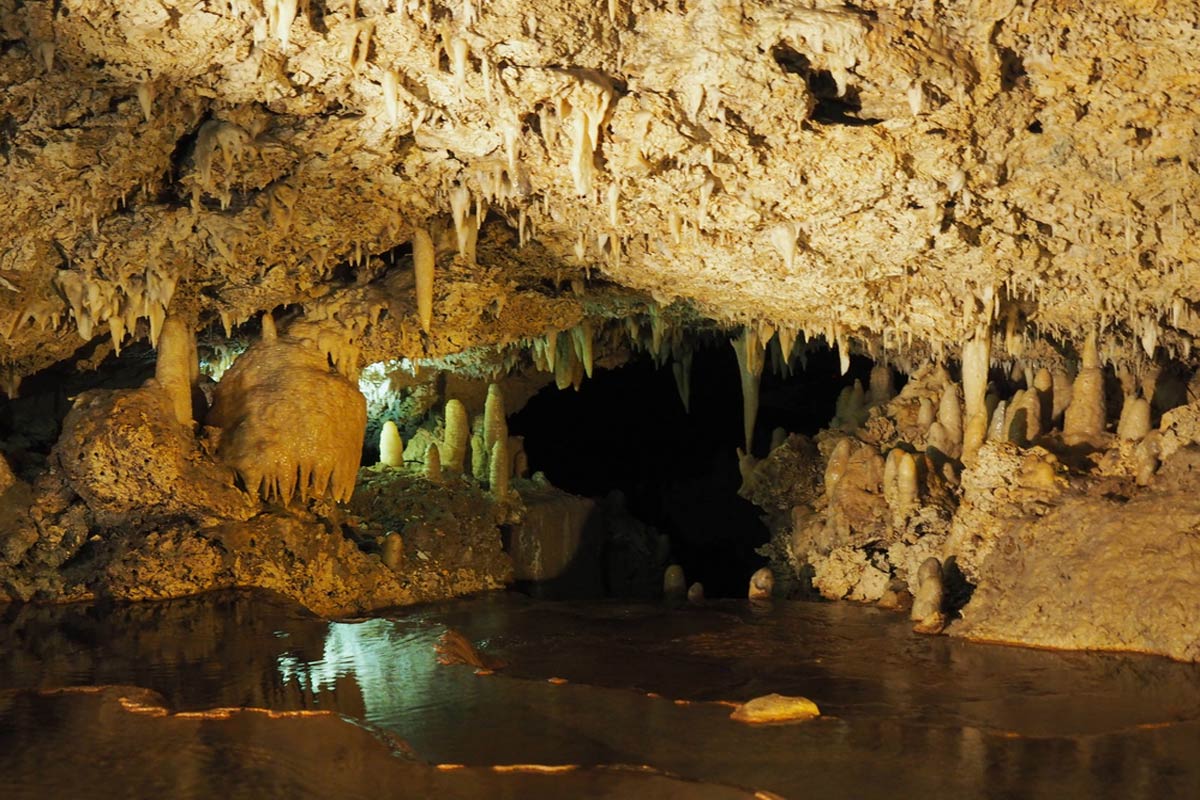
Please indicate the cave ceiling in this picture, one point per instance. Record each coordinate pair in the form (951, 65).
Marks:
(887, 175)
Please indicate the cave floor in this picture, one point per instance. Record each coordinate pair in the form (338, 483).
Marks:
(119, 701)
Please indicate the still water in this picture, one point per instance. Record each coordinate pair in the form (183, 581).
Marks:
(595, 700)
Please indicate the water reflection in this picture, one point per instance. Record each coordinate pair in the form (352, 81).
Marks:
(903, 714)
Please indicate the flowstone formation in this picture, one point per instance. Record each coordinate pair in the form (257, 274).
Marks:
(288, 424)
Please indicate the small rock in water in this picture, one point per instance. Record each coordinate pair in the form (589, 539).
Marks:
(775, 708)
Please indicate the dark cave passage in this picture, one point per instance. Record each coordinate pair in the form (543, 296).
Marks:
(626, 430)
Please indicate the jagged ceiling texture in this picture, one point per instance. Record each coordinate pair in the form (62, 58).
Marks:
(880, 173)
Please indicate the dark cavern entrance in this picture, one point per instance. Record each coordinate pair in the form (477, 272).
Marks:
(626, 430)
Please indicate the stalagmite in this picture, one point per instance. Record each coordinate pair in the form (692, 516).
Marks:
(1061, 394)
(907, 487)
(674, 583)
(839, 459)
(1026, 424)
(391, 446)
(890, 469)
(499, 469)
(495, 422)
(750, 363)
(762, 584)
(456, 437)
(882, 385)
(177, 368)
(1085, 416)
(997, 432)
(392, 552)
(433, 464)
(1135, 419)
(925, 414)
(423, 264)
(695, 593)
(950, 417)
(976, 357)
(479, 452)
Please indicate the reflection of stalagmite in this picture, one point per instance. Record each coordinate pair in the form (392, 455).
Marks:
(1084, 420)
(177, 368)
(750, 363)
(456, 436)
(391, 446)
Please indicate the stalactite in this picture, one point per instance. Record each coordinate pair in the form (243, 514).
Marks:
(750, 363)
(582, 338)
(172, 368)
(423, 267)
(681, 369)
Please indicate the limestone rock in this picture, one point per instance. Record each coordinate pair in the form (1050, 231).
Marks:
(1095, 573)
(125, 454)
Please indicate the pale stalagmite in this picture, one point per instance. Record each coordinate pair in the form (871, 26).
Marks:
(391, 446)
(1085, 416)
(456, 436)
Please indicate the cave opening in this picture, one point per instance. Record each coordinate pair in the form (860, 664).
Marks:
(626, 430)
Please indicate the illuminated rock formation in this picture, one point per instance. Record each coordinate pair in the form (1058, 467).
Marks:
(289, 424)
